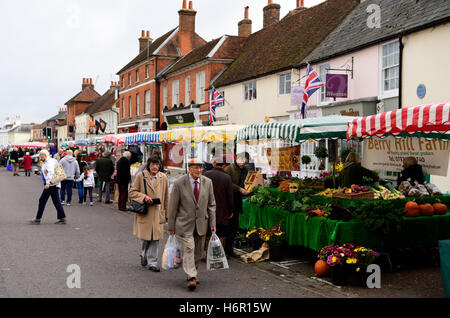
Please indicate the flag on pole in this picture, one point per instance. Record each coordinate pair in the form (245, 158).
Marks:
(216, 98)
(313, 83)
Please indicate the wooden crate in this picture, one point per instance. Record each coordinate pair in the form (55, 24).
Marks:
(355, 196)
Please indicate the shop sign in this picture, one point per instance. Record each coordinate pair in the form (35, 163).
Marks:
(336, 85)
(350, 112)
(297, 95)
(181, 119)
(387, 154)
(284, 159)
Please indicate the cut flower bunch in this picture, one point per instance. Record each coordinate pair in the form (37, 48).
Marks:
(348, 255)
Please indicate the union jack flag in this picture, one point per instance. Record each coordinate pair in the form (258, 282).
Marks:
(313, 83)
(216, 99)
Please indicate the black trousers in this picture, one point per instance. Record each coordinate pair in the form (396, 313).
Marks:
(46, 194)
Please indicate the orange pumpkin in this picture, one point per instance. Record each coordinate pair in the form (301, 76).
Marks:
(321, 268)
(265, 245)
(439, 208)
(426, 209)
(412, 209)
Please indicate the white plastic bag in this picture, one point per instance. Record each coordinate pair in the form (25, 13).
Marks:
(215, 256)
(171, 258)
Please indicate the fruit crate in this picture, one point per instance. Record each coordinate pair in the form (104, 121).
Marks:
(355, 196)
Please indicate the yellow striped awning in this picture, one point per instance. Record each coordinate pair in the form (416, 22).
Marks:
(225, 133)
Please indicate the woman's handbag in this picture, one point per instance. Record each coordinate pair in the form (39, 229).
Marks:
(59, 175)
(137, 207)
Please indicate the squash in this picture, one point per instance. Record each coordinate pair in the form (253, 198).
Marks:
(412, 209)
(426, 209)
(439, 208)
(321, 268)
(265, 245)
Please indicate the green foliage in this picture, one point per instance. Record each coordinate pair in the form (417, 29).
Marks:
(381, 216)
(306, 160)
(321, 152)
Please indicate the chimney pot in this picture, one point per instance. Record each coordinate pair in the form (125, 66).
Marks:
(184, 4)
(142, 33)
(270, 1)
(191, 6)
(148, 34)
(246, 13)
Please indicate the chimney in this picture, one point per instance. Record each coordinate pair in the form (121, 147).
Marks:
(300, 5)
(245, 26)
(186, 28)
(87, 82)
(271, 14)
(144, 40)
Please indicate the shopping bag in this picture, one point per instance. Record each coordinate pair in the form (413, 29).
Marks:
(9, 167)
(59, 175)
(215, 256)
(171, 258)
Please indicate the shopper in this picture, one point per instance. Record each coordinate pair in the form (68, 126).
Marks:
(191, 208)
(72, 170)
(104, 167)
(27, 162)
(149, 185)
(123, 179)
(14, 159)
(50, 190)
(81, 164)
(87, 177)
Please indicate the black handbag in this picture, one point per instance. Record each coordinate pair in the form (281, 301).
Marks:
(137, 207)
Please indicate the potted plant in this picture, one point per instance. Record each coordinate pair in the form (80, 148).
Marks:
(339, 258)
(306, 160)
(321, 153)
(254, 237)
(275, 238)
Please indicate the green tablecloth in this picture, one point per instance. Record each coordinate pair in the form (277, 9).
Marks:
(316, 233)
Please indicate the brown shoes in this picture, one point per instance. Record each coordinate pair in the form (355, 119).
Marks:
(192, 283)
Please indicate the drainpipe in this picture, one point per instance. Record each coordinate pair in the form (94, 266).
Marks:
(400, 71)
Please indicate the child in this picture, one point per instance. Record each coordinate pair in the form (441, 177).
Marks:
(88, 183)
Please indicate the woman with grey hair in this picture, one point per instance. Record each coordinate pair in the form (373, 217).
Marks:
(123, 179)
(50, 190)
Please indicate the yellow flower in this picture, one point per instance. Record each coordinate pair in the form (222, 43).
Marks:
(351, 261)
(358, 269)
(334, 259)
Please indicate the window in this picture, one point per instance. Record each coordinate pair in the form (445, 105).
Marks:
(147, 71)
(200, 87)
(129, 79)
(123, 107)
(187, 90)
(137, 105)
(285, 84)
(137, 76)
(250, 90)
(176, 92)
(165, 95)
(123, 81)
(147, 102)
(390, 66)
(129, 104)
(323, 77)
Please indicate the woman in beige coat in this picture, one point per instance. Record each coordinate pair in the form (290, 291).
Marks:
(149, 227)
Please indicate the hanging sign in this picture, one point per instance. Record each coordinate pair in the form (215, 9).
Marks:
(284, 159)
(387, 154)
(297, 95)
(336, 85)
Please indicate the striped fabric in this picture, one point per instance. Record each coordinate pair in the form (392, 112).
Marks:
(201, 134)
(143, 137)
(426, 119)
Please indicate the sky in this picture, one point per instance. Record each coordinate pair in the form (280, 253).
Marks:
(49, 46)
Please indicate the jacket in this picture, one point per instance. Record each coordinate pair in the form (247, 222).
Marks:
(223, 194)
(14, 156)
(412, 174)
(89, 181)
(123, 171)
(238, 176)
(187, 215)
(48, 170)
(27, 162)
(352, 173)
(104, 168)
(151, 225)
(71, 168)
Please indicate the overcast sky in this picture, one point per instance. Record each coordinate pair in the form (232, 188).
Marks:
(48, 46)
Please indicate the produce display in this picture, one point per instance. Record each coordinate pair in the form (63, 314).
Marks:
(418, 190)
(422, 208)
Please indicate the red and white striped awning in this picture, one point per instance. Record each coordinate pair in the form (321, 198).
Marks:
(117, 139)
(32, 144)
(423, 119)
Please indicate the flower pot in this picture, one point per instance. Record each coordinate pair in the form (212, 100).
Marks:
(275, 253)
(255, 243)
(339, 275)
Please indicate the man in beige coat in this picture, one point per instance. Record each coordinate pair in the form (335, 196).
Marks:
(192, 208)
(150, 227)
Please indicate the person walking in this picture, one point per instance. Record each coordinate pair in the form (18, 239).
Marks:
(87, 177)
(14, 159)
(27, 162)
(72, 170)
(81, 164)
(50, 190)
(123, 179)
(191, 208)
(149, 185)
(223, 194)
(58, 156)
(238, 173)
(104, 167)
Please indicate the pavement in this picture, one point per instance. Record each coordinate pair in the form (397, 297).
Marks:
(35, 259)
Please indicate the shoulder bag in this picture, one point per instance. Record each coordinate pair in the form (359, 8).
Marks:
(137, 207)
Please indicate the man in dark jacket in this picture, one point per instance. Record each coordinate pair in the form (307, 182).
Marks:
(223, 193)
(104, 167)
(123, 179)
(14, 158)
(411, 172)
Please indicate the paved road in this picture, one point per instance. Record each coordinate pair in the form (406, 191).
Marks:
(34, 258)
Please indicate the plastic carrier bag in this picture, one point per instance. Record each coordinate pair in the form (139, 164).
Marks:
(171, 258)
(215, 256)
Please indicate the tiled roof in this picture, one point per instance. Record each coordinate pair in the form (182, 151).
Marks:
(105, 102)
(283, 44)
(87, 95)
(59, 116)
(397, 17)
(230, 46)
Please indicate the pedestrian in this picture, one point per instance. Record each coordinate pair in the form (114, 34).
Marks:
(14, 159)
(58, 156)
(72, 170)
(50, 190)
(87, 177)
(81, 164)
(104, 167)
(123, 179)
(238, 173)
(223, 194)
(191, 208)
(148, 186)
(208, 165)
(27, 162)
